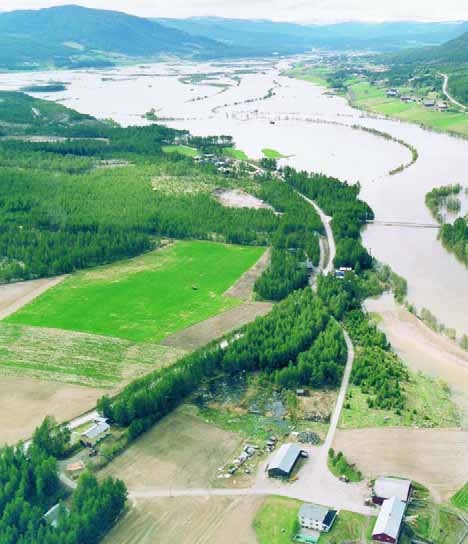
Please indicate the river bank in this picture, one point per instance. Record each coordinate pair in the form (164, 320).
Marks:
(422, 349)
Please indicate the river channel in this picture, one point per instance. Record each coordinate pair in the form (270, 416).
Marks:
(262, 109)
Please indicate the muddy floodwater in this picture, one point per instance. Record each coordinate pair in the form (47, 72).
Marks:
(262, 109)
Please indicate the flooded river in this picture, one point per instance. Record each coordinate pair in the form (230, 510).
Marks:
(262, 109)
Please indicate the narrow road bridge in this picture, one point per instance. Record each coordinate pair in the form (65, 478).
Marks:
(406, 224)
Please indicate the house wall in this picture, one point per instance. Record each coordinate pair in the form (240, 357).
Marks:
(383, 538)
(312, 524)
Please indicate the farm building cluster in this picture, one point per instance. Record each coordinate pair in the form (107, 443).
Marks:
(392, 495)
(428, 103)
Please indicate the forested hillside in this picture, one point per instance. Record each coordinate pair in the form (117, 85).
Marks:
(73, 36)
(450, 58)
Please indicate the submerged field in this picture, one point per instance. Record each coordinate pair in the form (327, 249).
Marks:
(146, 298)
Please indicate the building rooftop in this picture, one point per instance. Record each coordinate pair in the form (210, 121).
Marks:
(386, 488)
(390, 518)
(313, 511)
(285, 458)
(96, 430)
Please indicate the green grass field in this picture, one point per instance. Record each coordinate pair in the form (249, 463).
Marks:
(181, 149)
(460, 499)
(146, 298)
(272, 154)
(234, 153)
(277, 523)
(77, 358)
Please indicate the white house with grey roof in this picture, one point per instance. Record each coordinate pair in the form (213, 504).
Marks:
(386, 488)
(319, 518)
(389, 521)
(284, 461)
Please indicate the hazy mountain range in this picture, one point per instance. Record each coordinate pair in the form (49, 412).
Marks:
(72, 36)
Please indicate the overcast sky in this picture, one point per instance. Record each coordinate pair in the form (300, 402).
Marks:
(284, 10)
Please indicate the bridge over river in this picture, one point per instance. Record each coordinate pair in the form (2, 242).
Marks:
(406, 224)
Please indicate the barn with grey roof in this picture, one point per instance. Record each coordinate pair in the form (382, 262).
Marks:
(386, 488)
(284, 461)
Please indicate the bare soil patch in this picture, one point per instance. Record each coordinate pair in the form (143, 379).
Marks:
(191, 520)
(179, 452)
(13, 296)
(436, 458)
(200, 334)
(25, 402)
(243, 289)
(424, 350)
(237, 198)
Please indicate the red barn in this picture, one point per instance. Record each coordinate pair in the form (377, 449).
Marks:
(388, 525)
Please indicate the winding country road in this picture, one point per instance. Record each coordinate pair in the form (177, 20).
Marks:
(316, 483)
(445, 90)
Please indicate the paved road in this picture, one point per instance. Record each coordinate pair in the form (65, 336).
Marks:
(448, 95)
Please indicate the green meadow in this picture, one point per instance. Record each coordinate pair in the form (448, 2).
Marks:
(147, 298)
(272, 154)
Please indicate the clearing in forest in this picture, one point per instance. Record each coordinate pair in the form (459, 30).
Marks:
(146, 298)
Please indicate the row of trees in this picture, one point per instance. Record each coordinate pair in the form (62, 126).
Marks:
(266, 345)
(29, 486)
(377, 371)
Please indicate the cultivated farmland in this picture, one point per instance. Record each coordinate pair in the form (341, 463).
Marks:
(146, 298)
(77, 358)
(179, 452)
(191, 520)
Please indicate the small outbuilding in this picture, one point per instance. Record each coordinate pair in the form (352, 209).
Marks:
(389, 521)
(52, 515)
(284, 461)
(386, 488)
(95, 433)
(319, 518)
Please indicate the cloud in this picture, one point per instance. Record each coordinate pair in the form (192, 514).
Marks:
(286, 10)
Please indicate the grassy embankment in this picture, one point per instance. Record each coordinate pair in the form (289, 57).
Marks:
(277, 523)
(460, 499)
(147, 298)
(428, 521)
